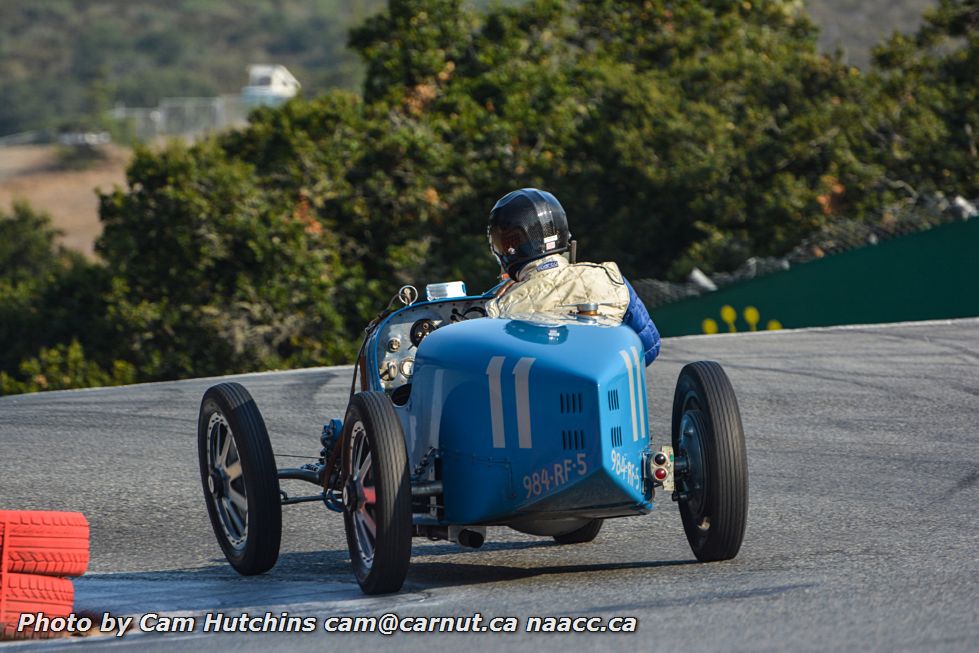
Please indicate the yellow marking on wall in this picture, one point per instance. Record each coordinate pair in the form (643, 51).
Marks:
(729, 315)
(750, 314)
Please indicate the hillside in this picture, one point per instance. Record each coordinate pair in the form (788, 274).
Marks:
(37, 174)
(63, 61)
(856, 26)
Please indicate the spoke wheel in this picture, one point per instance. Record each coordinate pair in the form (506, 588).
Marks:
(376, 494)
(712, 478)
(241, 488)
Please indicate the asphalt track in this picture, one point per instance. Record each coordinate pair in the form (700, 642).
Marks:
(863, 450)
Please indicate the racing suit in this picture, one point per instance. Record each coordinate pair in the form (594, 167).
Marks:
(553, 285)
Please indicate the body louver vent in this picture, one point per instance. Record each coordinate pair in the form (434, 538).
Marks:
(613, 399)
(570, 403)
(616, 436)
(573, 439)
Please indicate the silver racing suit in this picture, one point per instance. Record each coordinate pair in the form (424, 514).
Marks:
(553, 285)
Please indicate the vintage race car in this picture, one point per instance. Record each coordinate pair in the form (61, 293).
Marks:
(457, 422)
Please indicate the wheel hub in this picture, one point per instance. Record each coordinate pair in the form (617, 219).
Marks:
(215, 483)
(348, 497)
(353, 495)
(691, 466)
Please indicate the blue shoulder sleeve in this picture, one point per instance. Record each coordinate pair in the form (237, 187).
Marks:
(637, 318)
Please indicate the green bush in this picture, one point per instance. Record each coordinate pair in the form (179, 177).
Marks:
(47, 294)
(50, 296)
(61, 368)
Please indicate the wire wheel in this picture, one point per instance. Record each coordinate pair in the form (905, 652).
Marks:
(238, 474)
(376, 494)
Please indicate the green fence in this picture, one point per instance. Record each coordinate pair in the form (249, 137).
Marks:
(927, 275)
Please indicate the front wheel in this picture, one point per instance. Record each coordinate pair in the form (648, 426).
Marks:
(241, 486)
(376, 493)
(712, 468)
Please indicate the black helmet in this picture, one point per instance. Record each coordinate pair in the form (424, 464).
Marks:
(526, 225)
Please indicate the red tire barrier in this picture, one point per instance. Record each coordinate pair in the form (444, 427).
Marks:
(29, 594)
(44, 543)
(36, 548)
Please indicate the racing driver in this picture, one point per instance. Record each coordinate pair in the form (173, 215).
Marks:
(528, 232)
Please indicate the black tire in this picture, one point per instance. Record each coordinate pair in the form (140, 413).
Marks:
(371, 429)
(708, 435)
(238, 473)
(586, 533)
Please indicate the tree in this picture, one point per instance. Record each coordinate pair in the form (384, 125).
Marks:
(210, 275)
(927, 128)
(49, 297)
(27, 245)
(675, 133)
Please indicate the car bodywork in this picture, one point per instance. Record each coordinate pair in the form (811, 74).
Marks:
(535, 422)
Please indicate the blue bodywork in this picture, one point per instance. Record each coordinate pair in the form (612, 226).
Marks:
(518, 417)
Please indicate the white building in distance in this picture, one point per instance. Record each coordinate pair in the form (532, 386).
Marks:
(268, 85)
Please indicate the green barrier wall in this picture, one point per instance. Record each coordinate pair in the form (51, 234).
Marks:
(928, 275)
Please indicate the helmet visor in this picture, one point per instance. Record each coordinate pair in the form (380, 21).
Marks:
(507, 243)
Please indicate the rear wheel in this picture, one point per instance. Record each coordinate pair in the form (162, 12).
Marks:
(711, 470)
(586, 533)
(376, 494)
(241, 486)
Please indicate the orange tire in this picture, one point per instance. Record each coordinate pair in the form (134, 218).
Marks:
(43, 542)
(29, 594)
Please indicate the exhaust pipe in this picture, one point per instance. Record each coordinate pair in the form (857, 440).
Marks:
(471, 539)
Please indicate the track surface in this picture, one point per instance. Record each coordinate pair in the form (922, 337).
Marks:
(862, 535)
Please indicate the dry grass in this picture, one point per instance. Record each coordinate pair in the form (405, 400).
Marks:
(32, 173)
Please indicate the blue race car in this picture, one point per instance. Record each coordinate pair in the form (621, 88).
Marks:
(457, 422)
